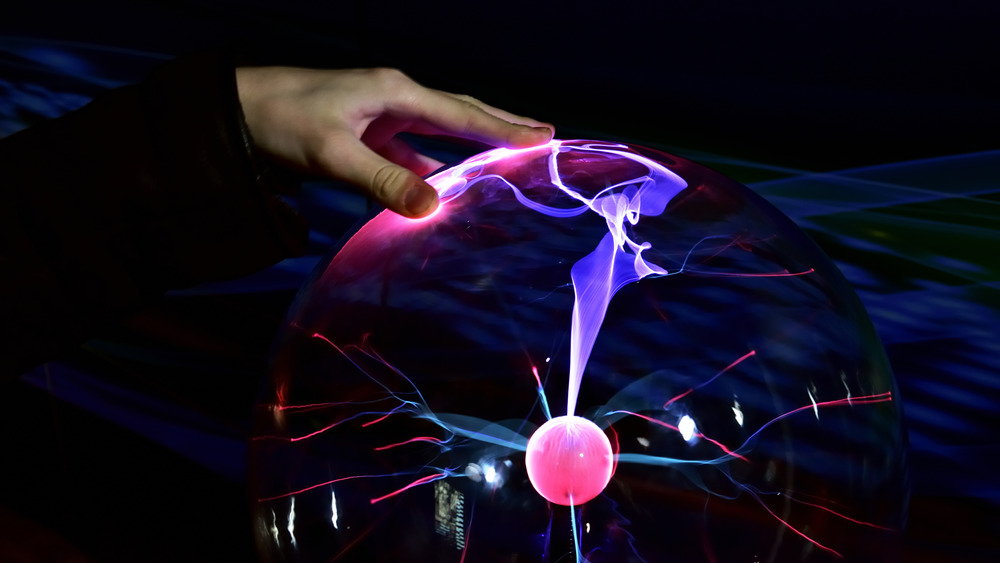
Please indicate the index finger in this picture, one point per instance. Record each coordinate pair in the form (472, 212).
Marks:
(467, 117)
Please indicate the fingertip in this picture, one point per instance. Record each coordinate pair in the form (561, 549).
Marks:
(546, 130)
(419, 200)
(527, 136)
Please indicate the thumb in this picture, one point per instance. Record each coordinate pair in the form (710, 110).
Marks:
(402, 191)
(394, 186)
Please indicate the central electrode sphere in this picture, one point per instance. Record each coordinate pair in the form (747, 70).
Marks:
(569, 460)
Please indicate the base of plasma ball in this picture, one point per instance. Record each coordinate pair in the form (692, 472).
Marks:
(569, 460)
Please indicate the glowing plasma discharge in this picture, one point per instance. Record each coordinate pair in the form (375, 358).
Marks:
(569, 458)
(617, 260)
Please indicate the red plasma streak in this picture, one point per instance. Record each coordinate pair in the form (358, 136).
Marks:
(421, 481)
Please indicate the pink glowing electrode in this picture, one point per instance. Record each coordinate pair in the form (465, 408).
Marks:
(569, 460)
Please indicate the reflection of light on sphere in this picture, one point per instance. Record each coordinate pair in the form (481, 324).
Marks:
(726, 372)
(569, 460)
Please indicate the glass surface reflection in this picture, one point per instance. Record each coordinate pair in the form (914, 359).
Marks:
(747, 401)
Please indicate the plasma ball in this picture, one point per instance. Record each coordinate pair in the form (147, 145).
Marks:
(599, 272)
(569, 460)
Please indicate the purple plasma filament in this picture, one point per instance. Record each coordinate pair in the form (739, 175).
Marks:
(617, 259)
(569, 460)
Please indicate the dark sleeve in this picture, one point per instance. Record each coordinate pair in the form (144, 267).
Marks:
(148, 188)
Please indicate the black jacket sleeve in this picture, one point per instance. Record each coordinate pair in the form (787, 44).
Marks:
(148, 188)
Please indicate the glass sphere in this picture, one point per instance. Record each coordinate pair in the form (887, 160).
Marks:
(747, 401)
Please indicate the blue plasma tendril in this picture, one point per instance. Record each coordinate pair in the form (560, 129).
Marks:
(616, 261)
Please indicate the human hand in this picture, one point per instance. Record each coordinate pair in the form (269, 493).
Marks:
(343, 124)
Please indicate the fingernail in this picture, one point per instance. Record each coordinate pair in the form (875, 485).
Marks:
(531, 129)
(532, 135)
(419, 200)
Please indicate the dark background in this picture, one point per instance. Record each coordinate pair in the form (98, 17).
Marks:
(873, 126)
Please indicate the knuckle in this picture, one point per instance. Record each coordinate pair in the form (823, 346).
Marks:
(387, 180)
(472, 114)
(397, 87)
(392, 77)
(468, 100)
